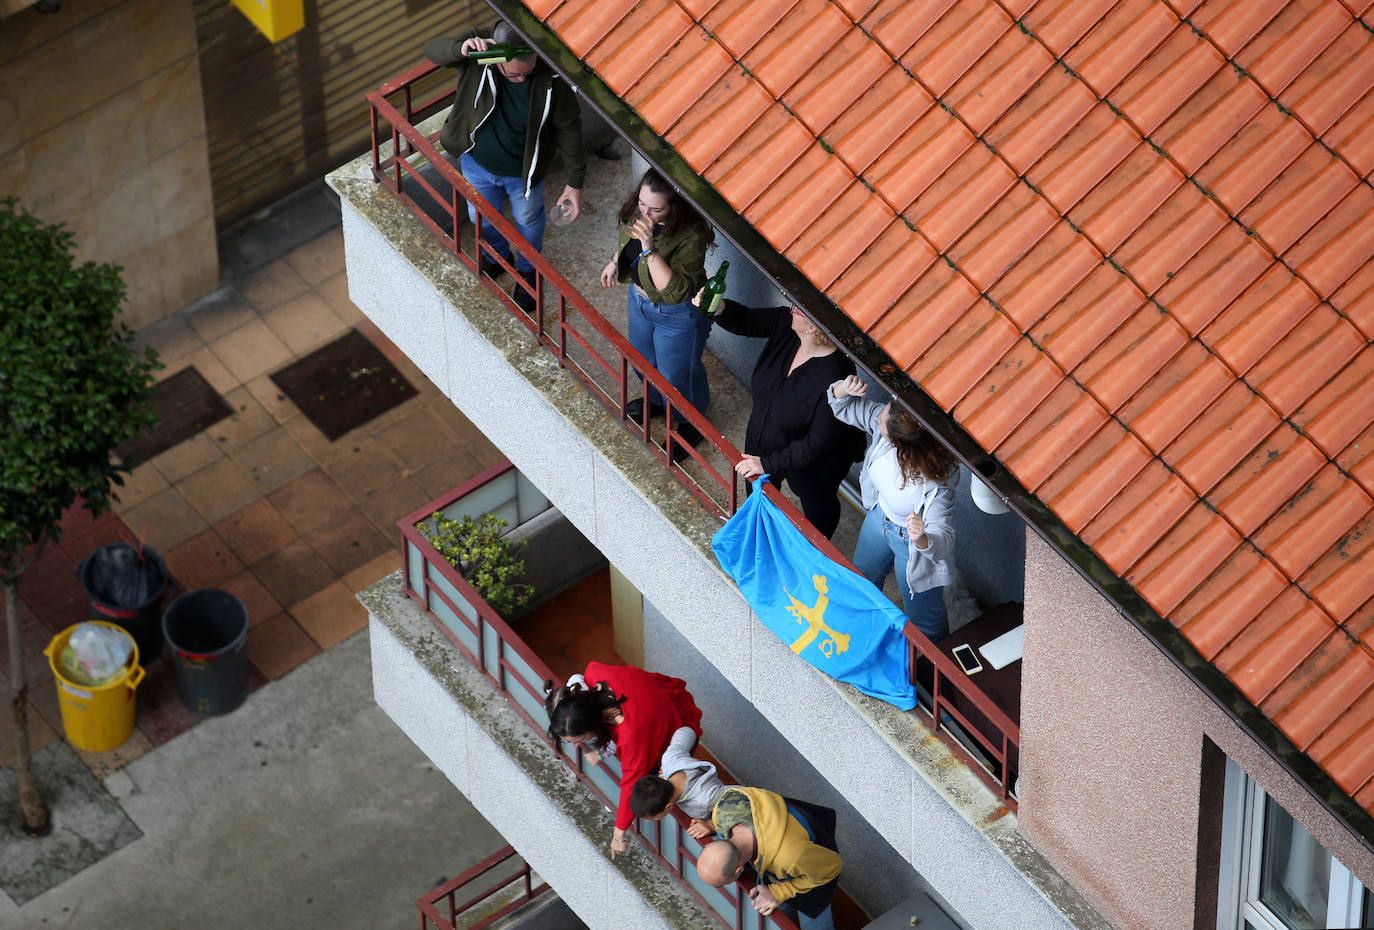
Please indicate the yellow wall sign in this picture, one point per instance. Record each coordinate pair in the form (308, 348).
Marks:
(275, 19)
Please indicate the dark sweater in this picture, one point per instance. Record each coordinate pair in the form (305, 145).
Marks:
(791, 427)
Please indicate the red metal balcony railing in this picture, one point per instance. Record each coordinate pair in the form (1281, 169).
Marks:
(594, 352)
(444, 899)
(517, 674)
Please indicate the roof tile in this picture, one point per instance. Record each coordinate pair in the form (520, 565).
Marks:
(1260, 318)
(1342, 409)
(1216, 441)
(961, 36)
(1184, 558)
(881, 274)
(916, 160)
(672, 85)
(1061, 23)
(1008, 393)
(1125, 199)
(740, 25)
(1250, 161)
(1267, 480)
(821, 94)
(970, 348)
(1217, 275)
(938, 298)
(798, 43)
(1090, 477)
(1343, 579)
(1166, 242)
(1290, 43)
(1095, 147)
(718, 119)
(899, 24)
(961, 196)
(1007, 232)
(1354, 729)
(1165, 81)
(1210, 119)
(1233, 23)
(1326, 507)
(875, 121)
(1223, 606)
(1274, 644)
(841, 235)
(1322, 344)
(1353, 136)
(756, 159)
(1355, 299)
(1138, 517)
(1352, 765)
(1334, 82)
(1306, 191)
(615, 58)
(542, 8)
(1054, 267)
(806, 190)
(1040, 119)
(582, 25)
(1357, 459)
(1320, 690)
(1120, 42)
(1192, 380)
(1338, 246)
(1088, 316)
(1066, 420)
(999, 79)
(1130, 357)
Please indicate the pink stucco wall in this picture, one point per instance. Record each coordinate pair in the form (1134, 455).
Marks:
(1111, 756)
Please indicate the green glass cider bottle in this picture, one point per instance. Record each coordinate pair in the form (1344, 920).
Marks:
(715, 287)
(498, 53)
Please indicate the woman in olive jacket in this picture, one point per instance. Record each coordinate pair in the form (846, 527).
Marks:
(661, 254)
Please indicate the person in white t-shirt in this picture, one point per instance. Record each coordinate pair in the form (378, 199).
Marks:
(684, 780)
(907, 484)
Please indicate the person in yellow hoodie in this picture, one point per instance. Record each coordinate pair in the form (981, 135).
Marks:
(791, 845)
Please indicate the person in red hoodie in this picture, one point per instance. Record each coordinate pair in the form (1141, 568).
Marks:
(626, 711)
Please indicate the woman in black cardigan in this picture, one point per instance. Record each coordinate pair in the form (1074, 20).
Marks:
(792, 434)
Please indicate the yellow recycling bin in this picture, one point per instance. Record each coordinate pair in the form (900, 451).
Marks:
(101, 717)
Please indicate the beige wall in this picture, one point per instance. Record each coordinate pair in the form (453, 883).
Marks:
(102, 128)
(1112, 735)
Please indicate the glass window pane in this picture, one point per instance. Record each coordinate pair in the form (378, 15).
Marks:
(1295, 872)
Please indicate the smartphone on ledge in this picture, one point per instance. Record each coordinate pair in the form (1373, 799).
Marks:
(967, 659)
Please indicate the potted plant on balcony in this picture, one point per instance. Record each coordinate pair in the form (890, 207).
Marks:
(485, 558)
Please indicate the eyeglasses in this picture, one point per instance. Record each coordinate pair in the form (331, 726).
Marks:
(516, 76)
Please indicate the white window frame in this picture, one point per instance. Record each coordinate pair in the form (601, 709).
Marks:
(1242, 845)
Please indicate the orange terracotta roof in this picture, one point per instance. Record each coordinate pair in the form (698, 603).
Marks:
(1125, 243)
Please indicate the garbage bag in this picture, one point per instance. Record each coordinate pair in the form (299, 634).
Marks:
(98, 653)
(121, 576)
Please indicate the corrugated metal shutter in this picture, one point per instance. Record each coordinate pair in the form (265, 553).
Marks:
(280, 116)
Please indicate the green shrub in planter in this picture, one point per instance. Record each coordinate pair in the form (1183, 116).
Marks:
(485, 558)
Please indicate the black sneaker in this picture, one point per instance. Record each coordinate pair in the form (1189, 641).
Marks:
(523, 298)
(634, 411)
(688, 434)
(490, 269)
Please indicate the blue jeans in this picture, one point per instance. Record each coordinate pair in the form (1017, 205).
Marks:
(528, 212)
(882, 547)
(822, 921)
(672, 337)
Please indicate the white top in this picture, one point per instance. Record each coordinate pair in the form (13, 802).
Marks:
(703, 786)
(897, 501)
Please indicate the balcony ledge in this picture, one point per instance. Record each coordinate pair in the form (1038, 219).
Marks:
(773, 679)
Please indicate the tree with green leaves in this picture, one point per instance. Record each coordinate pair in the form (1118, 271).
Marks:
(71, 390)
(485, 558)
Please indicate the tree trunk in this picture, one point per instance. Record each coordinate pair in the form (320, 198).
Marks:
(36, 820)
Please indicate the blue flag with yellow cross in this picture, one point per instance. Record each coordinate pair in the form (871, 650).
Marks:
(830, 615)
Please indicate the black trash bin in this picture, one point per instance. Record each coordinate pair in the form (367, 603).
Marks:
(207, 631)
(127, 586)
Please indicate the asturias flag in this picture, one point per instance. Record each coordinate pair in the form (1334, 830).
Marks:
(830, 615)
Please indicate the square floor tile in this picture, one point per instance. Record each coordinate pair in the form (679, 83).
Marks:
(139, 485)
(164, 520)
(347, 541)
(187, 457)
(159, 713)
(304, 322)
(362, 467)
(270, 397)
(272, 285)
(385, 506)
(257, 600)
(183, 404)
(203, 561)
(319, 259)
(330, 615)
(251, 350)
(334, 292)
(219, 313)
(417, 440)
(440, 477)
(312, 442)
(80, 545)
(256, 531)
(293, 573)
(310, 500)
(272, 459)
(172, 338)
(106, 763)
(374, 571)
(50, 581)
(218, 490)
(247, 420)
(277, 645)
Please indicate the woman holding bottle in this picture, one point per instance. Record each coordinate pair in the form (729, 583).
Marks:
(907, 483)
(661, 254)
(792, 434)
